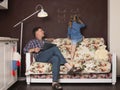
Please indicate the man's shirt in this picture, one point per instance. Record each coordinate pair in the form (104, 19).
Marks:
(34, 43)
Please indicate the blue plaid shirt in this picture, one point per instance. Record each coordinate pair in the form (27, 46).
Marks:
(33, 44)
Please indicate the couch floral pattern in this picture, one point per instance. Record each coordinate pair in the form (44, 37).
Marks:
(91, 56)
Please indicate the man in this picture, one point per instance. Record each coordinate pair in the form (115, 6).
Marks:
(51, 55)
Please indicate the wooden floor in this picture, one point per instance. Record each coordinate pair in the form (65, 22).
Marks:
(21, 85)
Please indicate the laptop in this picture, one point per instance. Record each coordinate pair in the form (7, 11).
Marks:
(47, 46)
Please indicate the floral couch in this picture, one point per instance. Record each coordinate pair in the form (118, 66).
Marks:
(90, 56)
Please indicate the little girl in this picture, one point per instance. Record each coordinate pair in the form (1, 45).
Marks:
(74, 32)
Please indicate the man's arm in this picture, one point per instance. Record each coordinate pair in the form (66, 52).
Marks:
(31, 50)
(29, 47)
(36, 50)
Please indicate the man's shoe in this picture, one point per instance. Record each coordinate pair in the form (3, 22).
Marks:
(73, 71)
(57, 86)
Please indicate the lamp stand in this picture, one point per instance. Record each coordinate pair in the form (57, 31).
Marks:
(21, 38)
(41, 13)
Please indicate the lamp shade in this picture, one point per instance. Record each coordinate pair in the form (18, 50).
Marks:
(42, 13)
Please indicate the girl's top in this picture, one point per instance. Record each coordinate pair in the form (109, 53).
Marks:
(74, 32)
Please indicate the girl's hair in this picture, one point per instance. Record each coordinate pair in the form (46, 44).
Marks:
(74, 18)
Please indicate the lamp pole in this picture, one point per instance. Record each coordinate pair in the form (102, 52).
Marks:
(26, 18)
(21, 25)
(41, 13)
(21, 35)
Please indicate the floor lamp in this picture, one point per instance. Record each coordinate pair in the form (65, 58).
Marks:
(40, 13)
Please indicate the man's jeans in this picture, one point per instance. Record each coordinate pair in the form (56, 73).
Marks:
(53, 56)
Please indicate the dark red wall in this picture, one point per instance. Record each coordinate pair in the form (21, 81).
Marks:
(92, 12)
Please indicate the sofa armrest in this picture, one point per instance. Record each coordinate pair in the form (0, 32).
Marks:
(29, 60)
(114, 66)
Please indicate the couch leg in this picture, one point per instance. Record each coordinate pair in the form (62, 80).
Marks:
(28, 80)
(28, 83)
(113, 83)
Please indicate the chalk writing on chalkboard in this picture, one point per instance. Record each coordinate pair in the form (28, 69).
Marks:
(63, 14)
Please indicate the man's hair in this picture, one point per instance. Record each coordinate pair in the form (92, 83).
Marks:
(35, 30)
